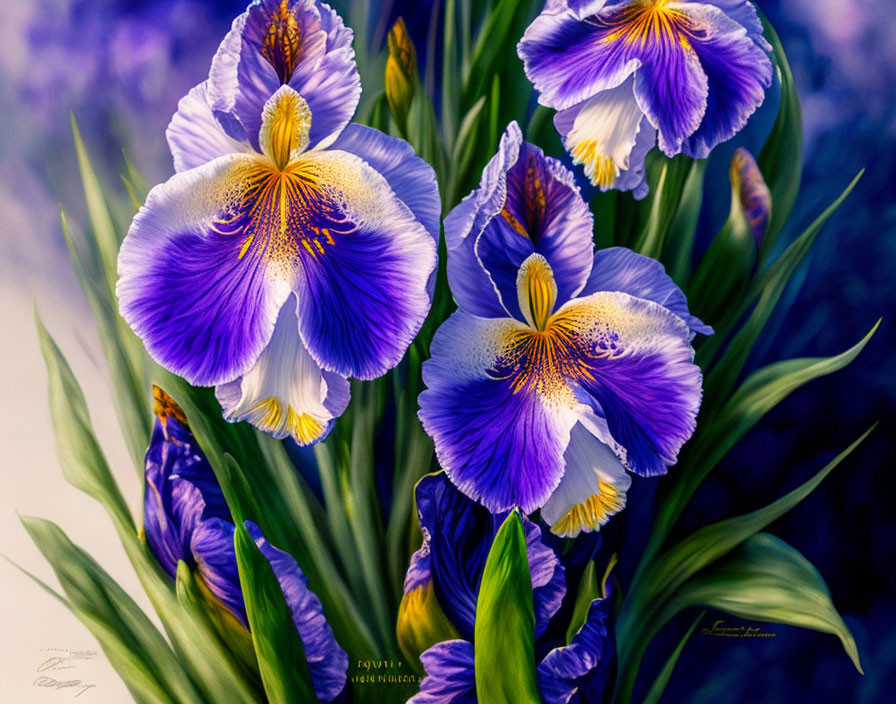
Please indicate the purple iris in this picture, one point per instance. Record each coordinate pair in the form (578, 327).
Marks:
(563, 367)
(621, 72)
(292, 249)
(457, 536)
(186, 518)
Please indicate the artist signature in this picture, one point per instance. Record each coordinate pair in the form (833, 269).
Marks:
(65, 659)
(720, 630)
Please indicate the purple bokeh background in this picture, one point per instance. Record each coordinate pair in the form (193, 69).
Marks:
(122, 65)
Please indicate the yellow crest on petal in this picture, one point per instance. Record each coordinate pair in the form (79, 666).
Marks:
(592, 513)
(286, 123)
(536, 291)
(272, 416)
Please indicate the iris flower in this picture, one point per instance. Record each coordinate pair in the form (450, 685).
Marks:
(292, 249)
(563, 367)
(457, 536)
(623, 72)
(186, 519)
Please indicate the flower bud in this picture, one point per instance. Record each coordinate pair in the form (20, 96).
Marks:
(750, 197)
(401, 73)
(731, 259)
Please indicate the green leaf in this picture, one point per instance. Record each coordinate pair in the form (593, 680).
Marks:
(495, 45)
(781, 159)
(105, 236)
(274, 484)
(679, 244)
(281, 655)
(125, 359)
(80, 455)
(589, 590)
(765, 579)
(200, 604)
(662, 204)
(643, 614)
(661, 682)
(505, 622)
(137, 651)
(758, 395)
(85, 467)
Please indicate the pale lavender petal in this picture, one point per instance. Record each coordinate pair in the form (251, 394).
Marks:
(194, 135)
(621, 269)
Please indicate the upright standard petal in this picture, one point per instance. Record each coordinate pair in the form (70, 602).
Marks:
(592, 490)
(327, 661)
(498, 411)
(286, 393)
(194, 135)
(637, 368)
(621, 269)
(363, 286)
(527, 203)
(300, 43)
(203, 304)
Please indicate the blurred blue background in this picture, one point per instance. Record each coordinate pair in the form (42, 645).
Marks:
(122, 65)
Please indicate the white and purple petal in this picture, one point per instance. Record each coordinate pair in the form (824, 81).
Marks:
(499, 437)
(203, 309)
(593, 487)
(362, 288)
(621, 269)
(450, 675)
(639, 374)
(327, 661)
(409, 176)
(286, 393)
(569, 60)
(610, 136)
(195, 137)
